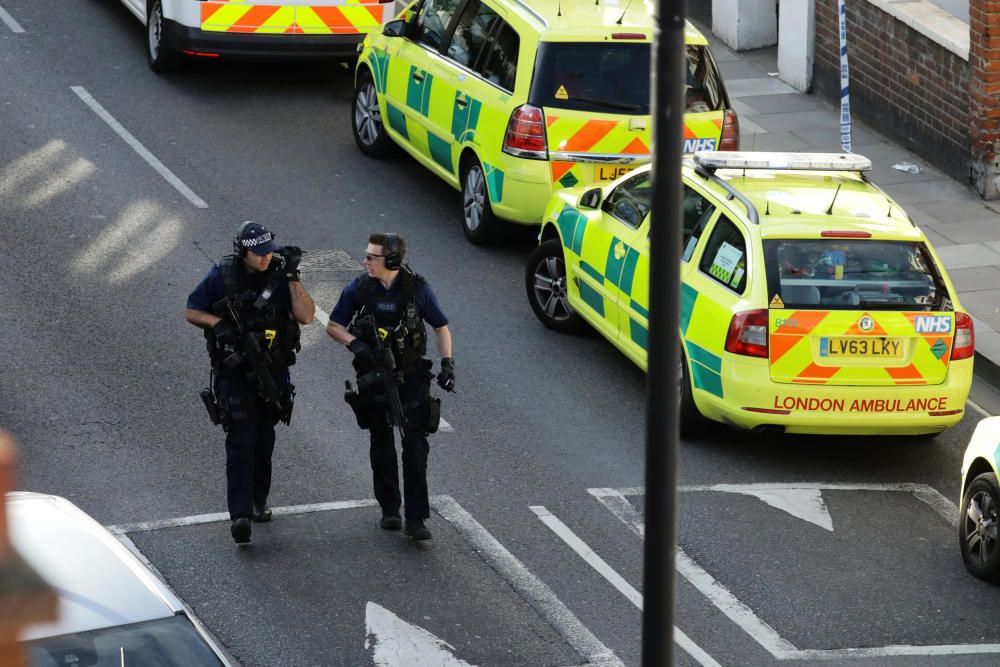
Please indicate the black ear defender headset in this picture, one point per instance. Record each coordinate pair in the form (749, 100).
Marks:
(238, 248)
(393, 257)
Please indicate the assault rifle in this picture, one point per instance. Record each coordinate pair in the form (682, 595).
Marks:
(385, 373)
(248, 348)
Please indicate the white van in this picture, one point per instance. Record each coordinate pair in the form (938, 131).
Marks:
(267, 29)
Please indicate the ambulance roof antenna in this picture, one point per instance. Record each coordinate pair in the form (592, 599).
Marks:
(619, 21)
(829, 211)
(559, 8)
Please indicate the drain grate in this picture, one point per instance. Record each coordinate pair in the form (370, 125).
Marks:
(329, 260)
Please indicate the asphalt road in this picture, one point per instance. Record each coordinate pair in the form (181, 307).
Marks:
(850, 547)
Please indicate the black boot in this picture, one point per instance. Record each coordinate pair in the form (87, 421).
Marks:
(391, 522)
(417, 530)
(261, 514)
(240, 530)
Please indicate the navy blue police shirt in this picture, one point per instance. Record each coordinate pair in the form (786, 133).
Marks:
(212, 288)
(427, 304)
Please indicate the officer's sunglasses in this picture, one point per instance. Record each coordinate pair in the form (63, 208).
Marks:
(371, 258)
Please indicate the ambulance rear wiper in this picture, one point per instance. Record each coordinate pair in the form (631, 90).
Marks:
(609, 103)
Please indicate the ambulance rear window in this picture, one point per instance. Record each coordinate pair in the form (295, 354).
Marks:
(610, 77)
(853, 274)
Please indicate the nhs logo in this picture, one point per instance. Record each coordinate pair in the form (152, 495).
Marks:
(933, 324)
(692, 145)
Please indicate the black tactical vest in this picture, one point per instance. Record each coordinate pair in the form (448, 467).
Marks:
(397, 314)
(274, 319)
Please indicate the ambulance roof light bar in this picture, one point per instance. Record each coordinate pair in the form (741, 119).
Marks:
(712, 160)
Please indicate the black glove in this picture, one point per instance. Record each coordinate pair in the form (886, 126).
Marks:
(225, 333)
(446, 378)
(362, 352)
(292, 255)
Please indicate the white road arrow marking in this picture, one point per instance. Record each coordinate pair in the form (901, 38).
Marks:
(805, 504)
(396, 643)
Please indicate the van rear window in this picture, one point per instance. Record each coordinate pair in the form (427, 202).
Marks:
(853, 274)
(606, 77)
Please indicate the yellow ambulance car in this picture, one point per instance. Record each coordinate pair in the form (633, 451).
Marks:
(810, 302)
(510, 100)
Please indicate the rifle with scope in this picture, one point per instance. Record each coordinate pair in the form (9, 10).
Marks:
(384, 373)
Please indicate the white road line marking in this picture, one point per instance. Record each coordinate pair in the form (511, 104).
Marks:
(978, 408)
(178, 522)
(394, 642)
(445, 427)
(805, 504)
(616, 502)
(9, 20)
(615, 579)
(218, 645)
(529, 588)
(137, 146)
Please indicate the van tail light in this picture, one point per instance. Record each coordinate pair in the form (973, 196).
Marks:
(730, 140)
(964, 345)
(526, 134)
(748, 334)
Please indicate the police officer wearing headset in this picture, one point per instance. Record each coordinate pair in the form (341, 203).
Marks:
(250, 306)
(399, 301)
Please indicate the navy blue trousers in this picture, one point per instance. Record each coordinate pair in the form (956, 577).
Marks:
(414, 394)
(249, 444)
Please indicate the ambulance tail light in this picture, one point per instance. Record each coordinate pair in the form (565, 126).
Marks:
(526, 134)
(748, 334)
(965, 338)
(730, 139)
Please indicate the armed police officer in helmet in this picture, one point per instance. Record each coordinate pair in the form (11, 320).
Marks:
(380, 318)
(250, 305)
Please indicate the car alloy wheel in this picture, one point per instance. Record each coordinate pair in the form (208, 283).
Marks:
(474, 197)
(367, 119)
(981, 528)
(548, 288)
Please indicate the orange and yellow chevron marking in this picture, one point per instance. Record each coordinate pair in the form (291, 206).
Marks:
(579, 135)
(702, 126)
(785, 337)
(234, 16)
(814, 374)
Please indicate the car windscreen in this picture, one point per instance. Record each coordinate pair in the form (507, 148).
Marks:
(165, 642)
(851, 274)
(612, 77)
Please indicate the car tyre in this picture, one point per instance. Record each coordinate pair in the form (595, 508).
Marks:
(479, 223)
(548, 288)
(160, 56)
(366, 119)
(977, 528)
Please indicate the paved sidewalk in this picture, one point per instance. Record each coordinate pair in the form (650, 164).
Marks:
(964, 229)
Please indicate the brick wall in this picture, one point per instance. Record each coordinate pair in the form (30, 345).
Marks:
(903, 83)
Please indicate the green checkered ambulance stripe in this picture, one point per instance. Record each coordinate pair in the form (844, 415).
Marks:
(418, 93)
(706, 369)
(624, 267)
(572, 224)
(440, 151)
(688, 297)
(494, 177)
(397, 120)
(639, 333)
(379, 60)
(465, 117)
